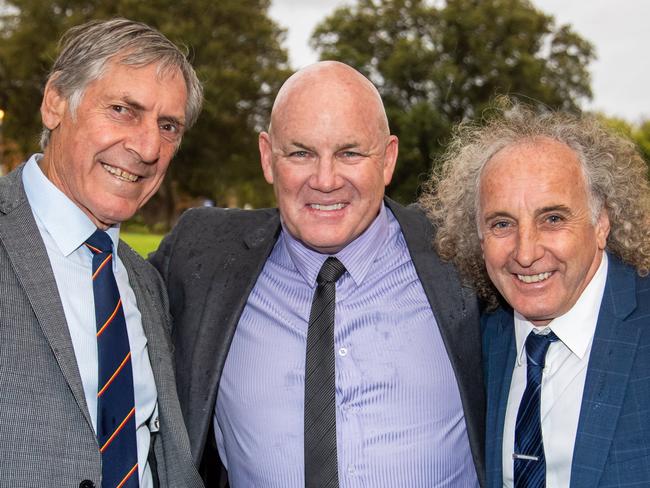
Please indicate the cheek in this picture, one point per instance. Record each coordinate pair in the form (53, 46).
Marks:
(491, 253)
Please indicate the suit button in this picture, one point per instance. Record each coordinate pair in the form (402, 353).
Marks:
(86, 484)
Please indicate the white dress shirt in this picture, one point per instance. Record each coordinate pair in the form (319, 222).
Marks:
(563, 382)
(64, 228)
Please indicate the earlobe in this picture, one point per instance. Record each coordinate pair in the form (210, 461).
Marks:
(602, 229)
(53, 107)
(266, 156)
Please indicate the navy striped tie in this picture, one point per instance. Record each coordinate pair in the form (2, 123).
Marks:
(529, 459)
(321, 467)
(115, 403)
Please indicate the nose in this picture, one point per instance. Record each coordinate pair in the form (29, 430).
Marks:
(145, 141)
(324, 178)
(528, 248)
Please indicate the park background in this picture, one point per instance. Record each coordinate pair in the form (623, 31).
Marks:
(436, 63)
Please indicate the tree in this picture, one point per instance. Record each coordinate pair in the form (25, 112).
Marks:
(437, 64)
(235, 48)
(638, 133)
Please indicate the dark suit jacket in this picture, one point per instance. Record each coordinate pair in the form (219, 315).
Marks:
(211, 262)
(612, 446)
(46, 435)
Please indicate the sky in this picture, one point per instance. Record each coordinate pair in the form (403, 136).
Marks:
(618, 29)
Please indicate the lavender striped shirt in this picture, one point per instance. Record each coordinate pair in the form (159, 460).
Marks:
(399, 416)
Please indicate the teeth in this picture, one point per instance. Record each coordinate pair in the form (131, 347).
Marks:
(533, 278)
(123, 175)
(335, 206)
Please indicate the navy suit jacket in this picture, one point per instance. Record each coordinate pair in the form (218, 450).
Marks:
(612, 445)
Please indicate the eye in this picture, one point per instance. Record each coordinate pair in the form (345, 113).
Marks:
(119, 109)
(299, 154)
(500, 227)
(169, 127)
(554, 219)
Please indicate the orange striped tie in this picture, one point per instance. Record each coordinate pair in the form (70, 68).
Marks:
(115, 403)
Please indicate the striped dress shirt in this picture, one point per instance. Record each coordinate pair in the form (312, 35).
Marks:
(399, 417)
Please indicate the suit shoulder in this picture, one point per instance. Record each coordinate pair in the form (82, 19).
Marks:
(214, 217)
(133, 261)
(212, 231)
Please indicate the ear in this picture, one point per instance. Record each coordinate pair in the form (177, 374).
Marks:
(602, 229)
(266, 156)
(53, 106)
(390, 158)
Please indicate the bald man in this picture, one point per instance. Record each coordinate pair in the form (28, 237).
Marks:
(338, 279)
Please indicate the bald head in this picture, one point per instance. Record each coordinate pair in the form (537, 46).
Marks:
(326, 85)
(329, 155)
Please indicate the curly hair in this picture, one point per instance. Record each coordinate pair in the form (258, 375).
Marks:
(615, 173)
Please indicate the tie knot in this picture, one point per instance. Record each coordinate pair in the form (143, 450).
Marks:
(99, 242)
(536, 347)
(331, 271)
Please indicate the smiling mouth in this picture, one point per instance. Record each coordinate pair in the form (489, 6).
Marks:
(327, 208)
(536, 278)
(121, 174)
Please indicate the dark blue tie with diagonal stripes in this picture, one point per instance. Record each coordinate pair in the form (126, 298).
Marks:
(321, 466)
(529, 459)
(115, 403)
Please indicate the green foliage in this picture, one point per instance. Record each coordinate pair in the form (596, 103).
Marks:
(142, 243)
(235, 48)
(439, 63)
(638, 133)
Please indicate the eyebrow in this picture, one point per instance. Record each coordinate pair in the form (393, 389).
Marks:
(553, 208)
(538, 212)
(171, 119)
(342, 147)
(300, 145)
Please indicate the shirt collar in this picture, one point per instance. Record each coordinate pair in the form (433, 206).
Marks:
(68, 225)
(575, 328)
(357, 257)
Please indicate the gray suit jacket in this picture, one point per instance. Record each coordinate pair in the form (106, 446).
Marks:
(46, 435)
(211, 262)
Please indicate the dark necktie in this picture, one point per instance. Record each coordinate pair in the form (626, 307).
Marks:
(115, 404)
(321, 469)
(529, 459)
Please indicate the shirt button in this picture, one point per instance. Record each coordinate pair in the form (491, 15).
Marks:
(351, 470)
(343, 352)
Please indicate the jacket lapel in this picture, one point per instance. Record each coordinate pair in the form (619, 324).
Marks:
(500, 352)
(22, 240)
(153, 320)
(610, 362)
(225, 301)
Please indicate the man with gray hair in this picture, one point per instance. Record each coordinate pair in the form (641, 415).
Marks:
(88, 392)
(548, 216)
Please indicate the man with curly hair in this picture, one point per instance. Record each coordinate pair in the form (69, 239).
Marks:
(548, 216)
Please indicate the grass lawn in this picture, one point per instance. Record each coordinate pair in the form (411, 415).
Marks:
(142, 243)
